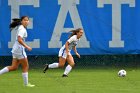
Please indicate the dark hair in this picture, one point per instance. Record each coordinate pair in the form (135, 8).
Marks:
(74, 32)
(16, 22)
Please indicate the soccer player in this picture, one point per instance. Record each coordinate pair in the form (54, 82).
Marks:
(64, 53)
(18, 50)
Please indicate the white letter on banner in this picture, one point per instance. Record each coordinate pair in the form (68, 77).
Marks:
(67, 6)
(116, 19)
(15, 6)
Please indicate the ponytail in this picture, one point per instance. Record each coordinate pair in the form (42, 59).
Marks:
(15, 22)
(74, 32)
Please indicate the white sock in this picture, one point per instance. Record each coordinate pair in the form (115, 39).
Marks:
(25, 78)
(53, 65)
(67, 70)
(4, 70)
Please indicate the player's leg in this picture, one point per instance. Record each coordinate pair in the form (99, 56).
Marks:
(14, 66)
(71, 63)
(62, 59)
(61, 64)
(24, 64)
(25, 67)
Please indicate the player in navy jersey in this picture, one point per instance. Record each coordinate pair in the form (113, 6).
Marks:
(64, 53)
(18, 50)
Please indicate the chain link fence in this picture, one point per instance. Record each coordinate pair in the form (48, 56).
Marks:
(84, 61)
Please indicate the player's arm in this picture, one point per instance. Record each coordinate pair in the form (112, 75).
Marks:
(67, 47)
(22, 43)
(75, 50)
(67, 44)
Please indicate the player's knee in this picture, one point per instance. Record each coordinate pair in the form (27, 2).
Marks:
(72, 65)
(25, 69)
(13, 68)
(61, 66)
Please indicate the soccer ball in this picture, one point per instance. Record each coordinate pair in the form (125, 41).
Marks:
(122, 73)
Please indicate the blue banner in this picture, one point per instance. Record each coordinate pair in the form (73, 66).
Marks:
(110, 26)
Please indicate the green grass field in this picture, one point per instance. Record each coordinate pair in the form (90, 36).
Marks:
(96, 80)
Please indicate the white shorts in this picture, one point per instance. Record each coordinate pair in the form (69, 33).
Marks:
(62, 53)
(18, 56)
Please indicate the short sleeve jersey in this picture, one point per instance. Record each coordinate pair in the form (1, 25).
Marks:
(17, 47)
(72, 42)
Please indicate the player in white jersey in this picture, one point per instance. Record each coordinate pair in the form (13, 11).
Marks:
(18, 50)
(64, 53)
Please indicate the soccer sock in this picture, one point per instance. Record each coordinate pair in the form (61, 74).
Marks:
(67, 70)
(4, 70)
(53, 65)
(25, 78)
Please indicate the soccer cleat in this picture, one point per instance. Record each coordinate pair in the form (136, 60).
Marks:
(64, 75)
(29, 85)
(45, 68)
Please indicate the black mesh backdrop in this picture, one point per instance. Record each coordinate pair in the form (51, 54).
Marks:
(84, 61)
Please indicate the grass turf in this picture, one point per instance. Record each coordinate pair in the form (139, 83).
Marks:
(93, 80)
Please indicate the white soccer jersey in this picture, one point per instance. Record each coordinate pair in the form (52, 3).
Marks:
(17, 47)
(72, 42)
